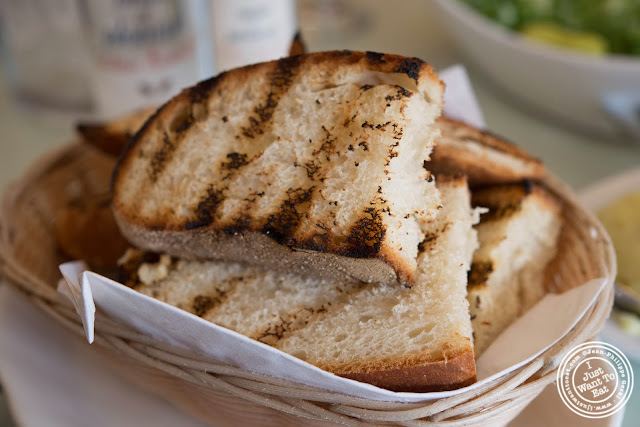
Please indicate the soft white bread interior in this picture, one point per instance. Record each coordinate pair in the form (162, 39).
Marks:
(484, 157)
(311, 163)
(517, 238)
(401, 338)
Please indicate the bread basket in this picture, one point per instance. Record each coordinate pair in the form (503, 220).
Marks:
(226, 395)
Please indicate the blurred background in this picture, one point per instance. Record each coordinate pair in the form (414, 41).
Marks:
(561, 78)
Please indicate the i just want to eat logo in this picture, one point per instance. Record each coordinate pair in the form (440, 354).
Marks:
(595, 380)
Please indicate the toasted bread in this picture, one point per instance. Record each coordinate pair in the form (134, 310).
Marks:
(85, 229)
(399, 338)
(485, 158)
(298, 46)
(112, 137)
(312, 163)
(518, 237)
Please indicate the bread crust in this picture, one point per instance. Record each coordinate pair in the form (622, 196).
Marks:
(505, 200)
(484, 157)
(205, 236)
(451, 373)
(112, 137)
(246, 247)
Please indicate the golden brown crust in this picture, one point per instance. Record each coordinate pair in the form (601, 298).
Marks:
(451, 373)
(505, 200)
(298, 46)
(112, 137)
(485, 158)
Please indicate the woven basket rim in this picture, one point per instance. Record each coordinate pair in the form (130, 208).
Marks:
(476, 405)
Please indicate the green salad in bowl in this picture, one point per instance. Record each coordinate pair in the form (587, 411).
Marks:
(596, 27)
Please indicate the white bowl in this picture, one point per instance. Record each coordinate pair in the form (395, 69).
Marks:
(594, 94)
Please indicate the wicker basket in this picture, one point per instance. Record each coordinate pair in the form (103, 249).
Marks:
(226, 395)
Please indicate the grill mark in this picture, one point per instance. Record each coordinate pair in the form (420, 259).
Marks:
(318, 242)
(375, 58)
(497, 213)
(401, 93)
(205, 211)
(365, 236)
(281, 225)
(430, 238)
(410, 67)
(282, 326)
(132, 142)
(234, 162)
(161, 157)
(479, 273)
(428, 241)
(202, 91)
(191, 109)
(239, 225)
(203, 304)
(280, 82)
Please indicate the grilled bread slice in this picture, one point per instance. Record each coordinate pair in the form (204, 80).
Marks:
(401, 338)
(312, 163)
(485, 158)
(518, 237)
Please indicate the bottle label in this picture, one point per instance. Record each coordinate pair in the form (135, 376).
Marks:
(250, 31)
(144, 53)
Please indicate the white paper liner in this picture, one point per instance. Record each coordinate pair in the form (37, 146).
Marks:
(543, 325)
(460, 102)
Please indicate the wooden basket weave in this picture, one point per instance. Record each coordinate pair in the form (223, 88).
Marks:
(226, 395)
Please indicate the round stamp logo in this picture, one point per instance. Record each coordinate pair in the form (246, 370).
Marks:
(595, 380)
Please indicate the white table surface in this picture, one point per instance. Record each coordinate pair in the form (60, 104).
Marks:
(407, 27)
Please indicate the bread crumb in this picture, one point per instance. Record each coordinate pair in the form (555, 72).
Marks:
(149, 273)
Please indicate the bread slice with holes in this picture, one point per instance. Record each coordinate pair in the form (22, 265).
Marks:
(518, 237)
(312, 163)
(484, 157)
(401, 338)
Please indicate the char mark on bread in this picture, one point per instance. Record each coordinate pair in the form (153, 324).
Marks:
(401, 338)
(319, 152)
(485, 158)
(280, 80)
(517, 239)
(280, 225)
